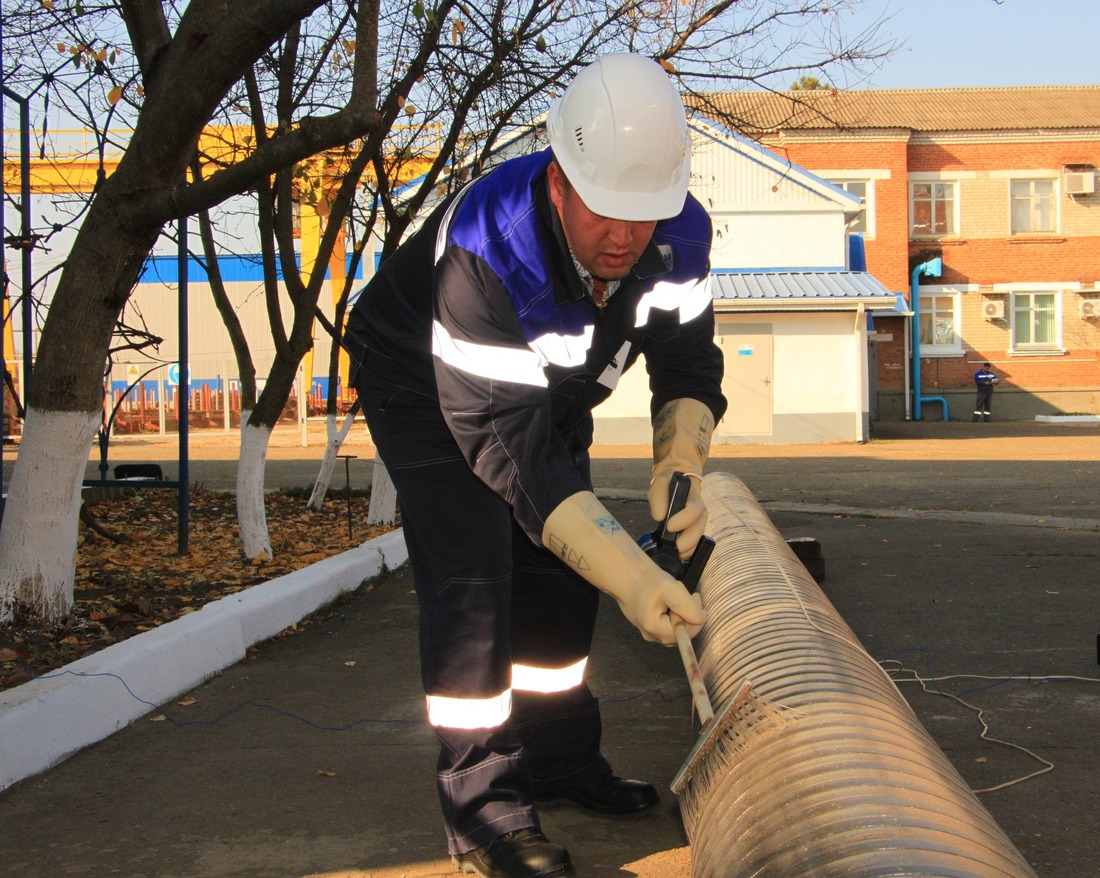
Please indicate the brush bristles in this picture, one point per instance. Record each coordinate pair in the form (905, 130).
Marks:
(745, 719)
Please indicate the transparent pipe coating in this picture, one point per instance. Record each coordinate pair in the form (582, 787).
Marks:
(833, 775)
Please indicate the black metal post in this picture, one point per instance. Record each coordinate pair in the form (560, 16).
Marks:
(347, 458)
(184, 390)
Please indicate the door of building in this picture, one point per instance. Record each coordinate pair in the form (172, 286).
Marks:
(747, 383)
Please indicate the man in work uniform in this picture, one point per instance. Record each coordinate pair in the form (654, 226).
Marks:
(479, 351)
(984, 378)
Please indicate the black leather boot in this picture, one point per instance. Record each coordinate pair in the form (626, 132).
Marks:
(525, 853)
(610, 796)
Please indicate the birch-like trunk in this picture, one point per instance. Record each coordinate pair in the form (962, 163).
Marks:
(251, 512)
(42, 513)
(334, 442)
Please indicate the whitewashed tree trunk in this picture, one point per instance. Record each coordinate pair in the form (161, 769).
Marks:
(383, 496)
(251, 513)
(334, 441)
(42, 513)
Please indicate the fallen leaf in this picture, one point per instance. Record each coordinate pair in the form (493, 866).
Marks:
(15, 677)
(188, 701)
(159, 718)
(324, 773)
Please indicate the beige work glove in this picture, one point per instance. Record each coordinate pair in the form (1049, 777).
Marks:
(682, 432)
(588, 539)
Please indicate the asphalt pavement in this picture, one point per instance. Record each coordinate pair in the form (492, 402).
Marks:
(964, 555)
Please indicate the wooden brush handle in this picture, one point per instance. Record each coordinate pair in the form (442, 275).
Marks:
(699, 695)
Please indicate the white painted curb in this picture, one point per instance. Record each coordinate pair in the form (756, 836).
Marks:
(49, 719)
(1068, 419)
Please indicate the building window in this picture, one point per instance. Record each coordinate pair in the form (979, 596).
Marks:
(932, 208)
(1035, 321)
(937, 320)
(938, 323)
(1032, 206)
(861, 189)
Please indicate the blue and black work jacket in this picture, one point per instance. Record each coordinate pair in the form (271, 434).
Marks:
(483, 310)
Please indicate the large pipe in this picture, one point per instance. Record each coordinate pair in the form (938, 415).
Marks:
(836, 777)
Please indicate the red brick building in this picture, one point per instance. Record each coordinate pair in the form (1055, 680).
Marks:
(1000, 184)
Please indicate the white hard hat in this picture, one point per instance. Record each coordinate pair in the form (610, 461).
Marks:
(620, 134)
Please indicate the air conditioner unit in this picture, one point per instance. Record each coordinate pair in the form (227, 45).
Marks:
(994, 310)
(1080, 183)
(1090, 308)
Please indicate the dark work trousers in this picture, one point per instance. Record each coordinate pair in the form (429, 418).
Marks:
(488, 597)
(984, 400)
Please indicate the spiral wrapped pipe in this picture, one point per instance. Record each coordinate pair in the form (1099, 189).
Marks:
(831, 773)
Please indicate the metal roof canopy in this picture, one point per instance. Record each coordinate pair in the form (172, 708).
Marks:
(800, 291)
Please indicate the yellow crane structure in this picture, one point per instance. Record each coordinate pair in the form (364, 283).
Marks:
(77, 160)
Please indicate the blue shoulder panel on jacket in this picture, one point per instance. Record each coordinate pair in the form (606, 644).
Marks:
(498, 222)
(685, 241)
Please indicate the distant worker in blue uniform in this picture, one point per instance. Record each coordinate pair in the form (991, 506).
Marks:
(479, 351)
(984, 378)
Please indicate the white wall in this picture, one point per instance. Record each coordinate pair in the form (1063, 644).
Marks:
(762, 240)
(815, 359)
(818, 389)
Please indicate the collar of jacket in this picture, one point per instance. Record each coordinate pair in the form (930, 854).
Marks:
(567, 283)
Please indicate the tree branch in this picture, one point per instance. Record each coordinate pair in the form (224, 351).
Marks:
(148, 30)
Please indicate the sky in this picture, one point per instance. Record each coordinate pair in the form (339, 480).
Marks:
(958, 43)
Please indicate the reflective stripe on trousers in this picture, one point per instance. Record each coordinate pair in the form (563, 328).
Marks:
(484, 713)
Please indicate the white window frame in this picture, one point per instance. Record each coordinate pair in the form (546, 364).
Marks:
(956, 215)
(926, 293)
(1055, 218)
(1036, 175)
(841, 176)
(1014, 291)
(867, 199)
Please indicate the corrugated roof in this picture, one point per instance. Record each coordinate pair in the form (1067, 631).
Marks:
(778, 289)
(931, 109)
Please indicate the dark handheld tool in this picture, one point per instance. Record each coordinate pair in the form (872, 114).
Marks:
(660, 545)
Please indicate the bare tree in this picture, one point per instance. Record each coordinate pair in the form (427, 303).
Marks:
(186, 66)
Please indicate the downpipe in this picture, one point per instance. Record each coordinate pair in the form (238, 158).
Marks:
(840, 778)
(933, 268)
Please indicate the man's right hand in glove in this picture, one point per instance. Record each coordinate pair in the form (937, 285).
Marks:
(588, 539)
